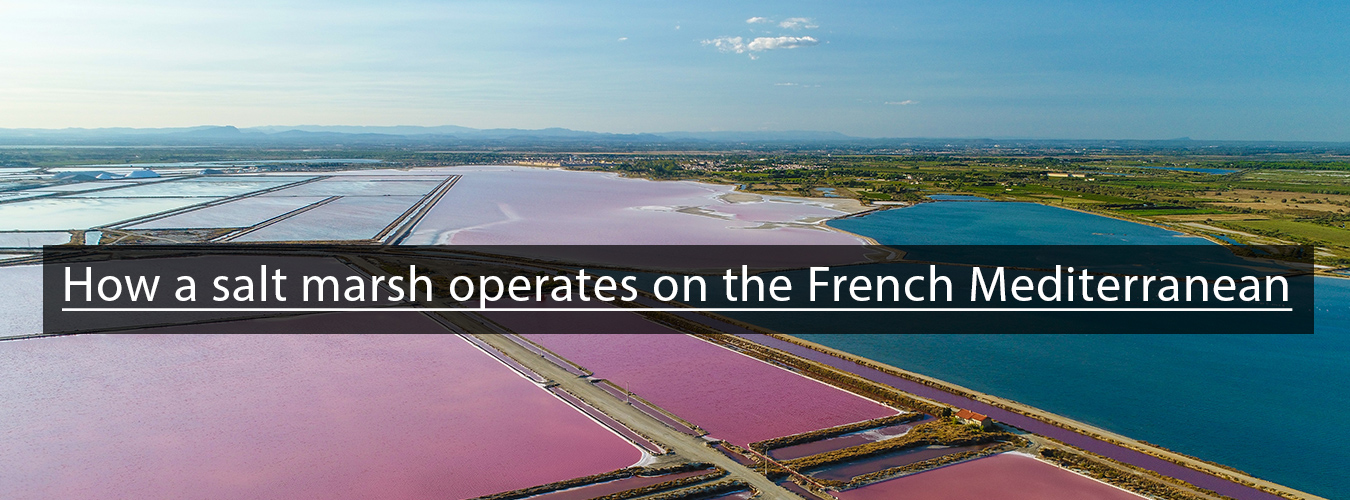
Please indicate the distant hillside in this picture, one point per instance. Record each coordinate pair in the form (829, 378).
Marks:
(788, 135)
(452, 137)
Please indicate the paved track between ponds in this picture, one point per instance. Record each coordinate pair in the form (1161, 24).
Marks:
(684, 445)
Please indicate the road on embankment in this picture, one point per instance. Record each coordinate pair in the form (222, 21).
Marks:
(682, 444)
(1094, 444)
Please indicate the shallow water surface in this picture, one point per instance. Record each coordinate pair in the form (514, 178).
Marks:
(732, 396)
(83, 213)
(844, 441)
(1004, 223)
(1208, 376)
(524, 205)
(283, 416)
(999, 477)
(848, 470)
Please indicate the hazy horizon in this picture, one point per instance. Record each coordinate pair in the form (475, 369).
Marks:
(443, 129)
(989, 69)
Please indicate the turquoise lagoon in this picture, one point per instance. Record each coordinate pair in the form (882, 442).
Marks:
(969, 222)
(1267, 404)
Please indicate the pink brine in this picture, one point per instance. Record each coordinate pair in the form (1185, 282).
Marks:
(283, 416)
(1000, 477)
(732, 396)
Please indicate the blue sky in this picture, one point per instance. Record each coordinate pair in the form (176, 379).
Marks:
(1040, 69)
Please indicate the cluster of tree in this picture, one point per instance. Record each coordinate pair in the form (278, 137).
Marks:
(901, 192)
(1329, 219)
(657, 168)
(1285, 165)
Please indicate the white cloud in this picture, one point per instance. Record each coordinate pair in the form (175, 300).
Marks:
(738, 45)
(786, 84)
(797, 23)
(727, 44)
(905, 102)
(781, 42)
(623, 38)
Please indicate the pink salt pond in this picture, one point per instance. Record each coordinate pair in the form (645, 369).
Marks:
(505, 205)
(730, 395)
(1000, 477)
(150, 416)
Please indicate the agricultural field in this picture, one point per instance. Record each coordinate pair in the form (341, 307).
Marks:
(1284, 201)
(1295, 230)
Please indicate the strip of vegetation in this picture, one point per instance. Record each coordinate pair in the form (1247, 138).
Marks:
(658, 487)
(1112, 475)
(883, 393)
(1155, 474)
(941, 433)
(837, 378)
(1307, 231)
(1216, 464)
(706, 491)
(869, 364)
(1151, 451)
(892, 472)
(816, 435)
(1172, 211)
(596, 478)
(828, 375)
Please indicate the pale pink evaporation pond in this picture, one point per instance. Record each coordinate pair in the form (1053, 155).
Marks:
(283, 416)
(732, 396)
(1000, 477)
(20, 300)
(503, 205)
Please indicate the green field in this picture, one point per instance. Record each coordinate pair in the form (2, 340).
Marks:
(1172, 211)
(1297, 230)
(1047, 192)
